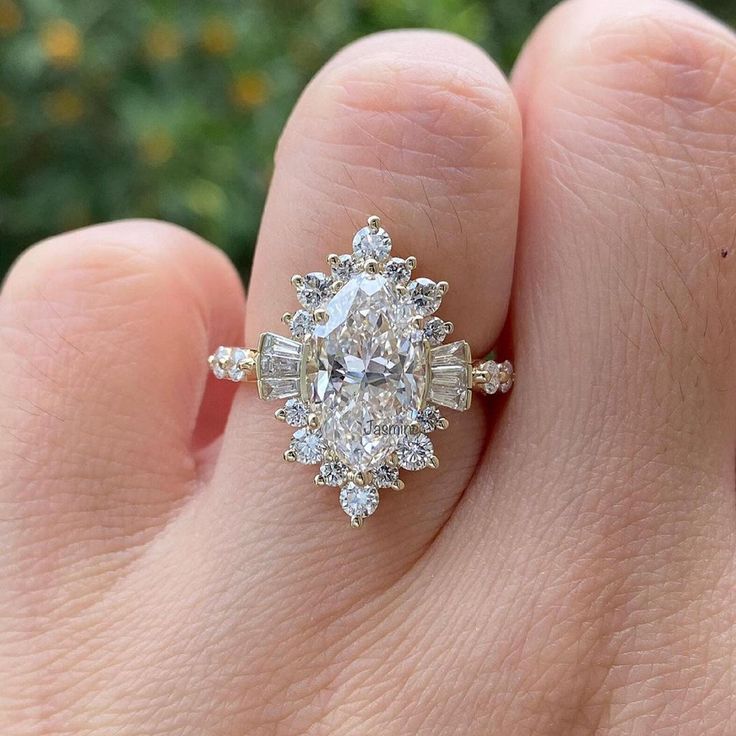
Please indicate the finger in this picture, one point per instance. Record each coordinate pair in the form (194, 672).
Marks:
(422, 130)
(103, 330)
(612, 508)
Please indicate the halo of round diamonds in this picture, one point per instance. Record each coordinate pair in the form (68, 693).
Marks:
(309, 447)
(398, 271)
(343, 268)
(386, 476)
(313, 290)
(415, 452)
(358, 501)
(435, 330)
(425, 295)
(302, 324)
(372, 243)
(428, 418)
(333, 472)
(295, 413)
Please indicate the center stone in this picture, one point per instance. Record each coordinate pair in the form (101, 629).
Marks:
(367, 373)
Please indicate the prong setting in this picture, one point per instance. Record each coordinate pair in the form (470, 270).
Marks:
(355, 316)
(371, 266)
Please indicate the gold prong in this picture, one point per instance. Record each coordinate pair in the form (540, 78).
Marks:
(443, 286)
(319, 480)
(286, 317)
(399, 485)
(290, 456)
(480, 376)
(333, 259)
(401, 290)
(362, 478)
(417, 323)
(374, 222)
(434, 462)
(415, 428)
(211, 360)
(356, 522)
(411, 262)
(247, 364)
(449, 328)
(313, 421)
(337, 285)
(443, 423)
(297, 281)
(321, 316)
(371, 265)
(280, 414)
(393, 459)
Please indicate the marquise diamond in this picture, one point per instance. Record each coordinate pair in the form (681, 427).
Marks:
(367, 373)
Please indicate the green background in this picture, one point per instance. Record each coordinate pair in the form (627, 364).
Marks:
(172, 109)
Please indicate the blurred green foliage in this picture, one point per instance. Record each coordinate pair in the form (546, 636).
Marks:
(172, 109)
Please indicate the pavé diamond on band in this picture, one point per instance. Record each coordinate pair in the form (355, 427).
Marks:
(365, 371)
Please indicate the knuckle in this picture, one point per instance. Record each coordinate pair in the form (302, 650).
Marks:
(664, 52)
(377, 104)
(98, 255)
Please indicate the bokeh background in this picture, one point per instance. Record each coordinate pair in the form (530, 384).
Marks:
(172, 108)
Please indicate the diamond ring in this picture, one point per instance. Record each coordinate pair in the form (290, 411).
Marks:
(365, 372)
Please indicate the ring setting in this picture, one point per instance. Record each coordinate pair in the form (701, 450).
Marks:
(366, 372)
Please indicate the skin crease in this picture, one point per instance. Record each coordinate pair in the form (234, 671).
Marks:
(568, 570)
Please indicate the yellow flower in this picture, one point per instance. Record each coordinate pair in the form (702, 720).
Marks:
(64, 106)
(61, 42)
(205, 198)
(156, 147)
(11, 18)
(163, 42)
(218, 37)
(249, 90)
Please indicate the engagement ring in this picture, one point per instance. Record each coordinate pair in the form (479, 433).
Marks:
(366, 371)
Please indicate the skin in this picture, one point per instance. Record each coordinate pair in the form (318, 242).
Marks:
(569, 569)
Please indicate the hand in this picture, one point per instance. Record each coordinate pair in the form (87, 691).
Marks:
(569, 569)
